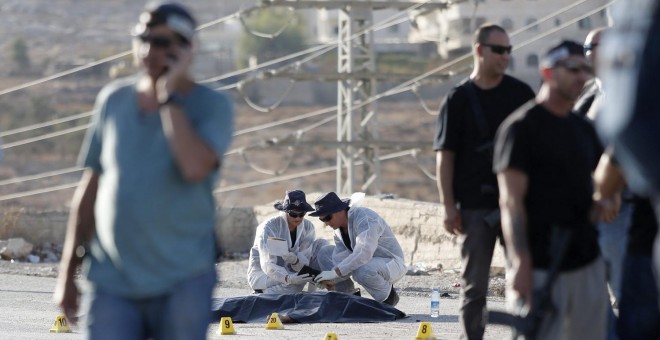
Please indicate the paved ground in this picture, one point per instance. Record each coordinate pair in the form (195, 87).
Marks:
(28, 312)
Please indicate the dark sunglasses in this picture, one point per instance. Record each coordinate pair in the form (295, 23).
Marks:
(296, 215)
(156, 41)
(576, 67)
(590, 47)
(326, 218)
(499, 49)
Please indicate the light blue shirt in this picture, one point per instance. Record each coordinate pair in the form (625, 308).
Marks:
(153, 229)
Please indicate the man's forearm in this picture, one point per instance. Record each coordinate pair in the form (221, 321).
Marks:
(608, 178)
(194, 157)
(445, 176)
(514, 229)
(81, 224)
(513, 186)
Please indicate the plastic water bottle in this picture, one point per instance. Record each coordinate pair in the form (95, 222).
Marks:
(435, 303)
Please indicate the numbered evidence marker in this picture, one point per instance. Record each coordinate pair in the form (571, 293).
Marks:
(330, 336)
(274, 322)
(60, 325)
(226, 326)
(425, 332)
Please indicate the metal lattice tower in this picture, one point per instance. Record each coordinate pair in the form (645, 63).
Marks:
(356, 56)
(357, 129)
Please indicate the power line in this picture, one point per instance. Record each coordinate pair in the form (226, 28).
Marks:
(45, 136)
(45, 124)
(399, 89)
(325, 47)
(43, 175)
(38, 191)
(298, 175)
(322, 48)
(104, 60)
(408, 85)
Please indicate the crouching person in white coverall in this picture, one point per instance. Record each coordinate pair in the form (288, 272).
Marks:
(365, 248)
(278, 274)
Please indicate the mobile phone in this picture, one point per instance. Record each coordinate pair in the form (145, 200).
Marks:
(172, 57)
(309, 270)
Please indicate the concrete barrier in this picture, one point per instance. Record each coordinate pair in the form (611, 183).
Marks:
(416, 224)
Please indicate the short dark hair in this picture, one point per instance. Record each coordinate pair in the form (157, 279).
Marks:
(483, 32)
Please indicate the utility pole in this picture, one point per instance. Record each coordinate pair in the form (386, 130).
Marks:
(357, 130)
(356, 56)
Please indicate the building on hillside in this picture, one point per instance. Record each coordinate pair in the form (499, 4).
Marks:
(452, 29)
(392, 39)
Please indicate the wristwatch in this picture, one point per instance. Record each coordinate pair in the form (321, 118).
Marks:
(174, 98)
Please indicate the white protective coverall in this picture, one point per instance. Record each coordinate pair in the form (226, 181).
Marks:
(267, 272)
(376, 261)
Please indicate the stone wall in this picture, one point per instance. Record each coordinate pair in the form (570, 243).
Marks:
(416, 224)
(34, 227)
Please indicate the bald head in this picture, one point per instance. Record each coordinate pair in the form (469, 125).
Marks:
(591, 45)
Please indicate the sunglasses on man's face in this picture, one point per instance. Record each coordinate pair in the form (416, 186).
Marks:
(499, 49)
(590, 47)
(296, 215)
(576, 67)
(326, 218)
(157, 41)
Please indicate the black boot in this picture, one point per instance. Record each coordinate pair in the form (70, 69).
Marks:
(357, 292)
(393, 298)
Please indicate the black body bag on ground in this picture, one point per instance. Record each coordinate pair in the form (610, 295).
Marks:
(316, 307)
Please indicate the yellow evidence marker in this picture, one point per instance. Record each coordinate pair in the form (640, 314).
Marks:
(226, 326)
(274, 322)
(330, 336)
(60, 325)
(425, 332)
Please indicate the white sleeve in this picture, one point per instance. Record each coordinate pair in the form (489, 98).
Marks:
(368, 231)
(304, 244)
(271, 228)
(341, 252)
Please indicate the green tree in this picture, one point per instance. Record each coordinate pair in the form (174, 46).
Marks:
(292, 39)
(20, 54)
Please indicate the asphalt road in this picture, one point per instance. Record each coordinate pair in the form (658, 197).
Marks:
(28, 312)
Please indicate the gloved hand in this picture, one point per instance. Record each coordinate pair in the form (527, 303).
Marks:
(325, 285)
(290, 258)
(327, 275)
(297, 279)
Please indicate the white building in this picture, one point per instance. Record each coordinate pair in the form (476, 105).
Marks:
(389, 39)
(452, 29)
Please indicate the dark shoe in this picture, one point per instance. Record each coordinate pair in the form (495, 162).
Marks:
(258, 291)
(357, 292)
(393, 298)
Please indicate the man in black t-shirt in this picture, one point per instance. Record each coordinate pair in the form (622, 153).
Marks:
(544, 159)
(469, 117)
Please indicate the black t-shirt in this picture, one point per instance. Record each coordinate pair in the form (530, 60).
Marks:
(294, 234)
(643, 228)
(347, 240)
(475, 185)
(558, 154)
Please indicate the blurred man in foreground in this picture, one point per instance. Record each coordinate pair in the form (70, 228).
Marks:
(144, 213)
